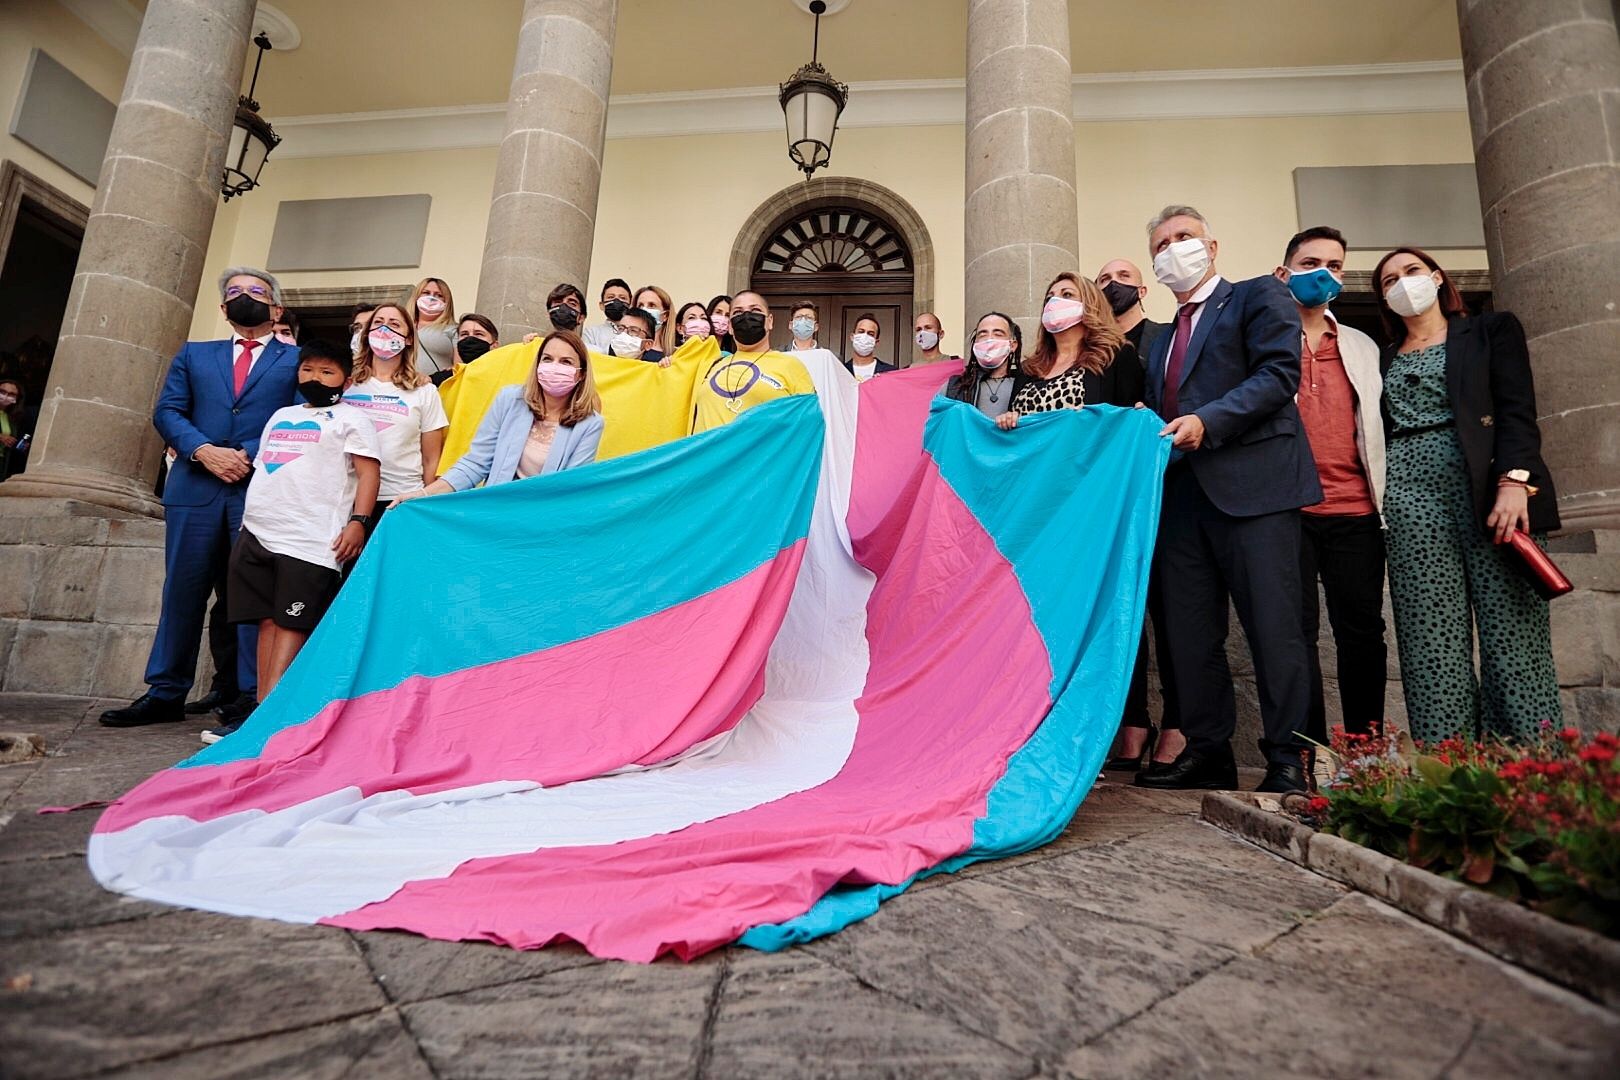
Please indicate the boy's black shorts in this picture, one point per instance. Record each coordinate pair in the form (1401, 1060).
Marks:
(264, 585)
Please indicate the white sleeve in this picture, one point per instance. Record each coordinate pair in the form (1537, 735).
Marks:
(360, 437)
(433, 414)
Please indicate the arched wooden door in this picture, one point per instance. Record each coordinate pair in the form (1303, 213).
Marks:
(849, 260)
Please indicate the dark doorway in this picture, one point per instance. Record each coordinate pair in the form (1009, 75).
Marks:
(35, 279)
(41, 230)
(849, 261)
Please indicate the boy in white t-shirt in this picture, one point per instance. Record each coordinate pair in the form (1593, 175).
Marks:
(313, 487)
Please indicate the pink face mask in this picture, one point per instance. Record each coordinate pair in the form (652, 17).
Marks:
(990, 352)
(695, 328)
(721, 323)
(429, 305)
(557, 379)
(1061, 312)
(385, 342)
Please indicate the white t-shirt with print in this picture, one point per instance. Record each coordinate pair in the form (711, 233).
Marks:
(401, 418)
(303, 486)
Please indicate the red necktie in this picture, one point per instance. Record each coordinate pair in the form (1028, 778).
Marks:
(1178, 357)
(244, 364)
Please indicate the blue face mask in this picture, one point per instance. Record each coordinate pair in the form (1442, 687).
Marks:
(1313, 288)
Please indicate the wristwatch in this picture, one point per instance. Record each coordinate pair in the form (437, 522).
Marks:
(364, 519)
(1520, 477)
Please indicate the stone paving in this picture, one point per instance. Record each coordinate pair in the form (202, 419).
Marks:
(1141, 943)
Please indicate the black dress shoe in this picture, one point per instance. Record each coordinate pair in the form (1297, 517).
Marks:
(1194, 770)
(238, 710)
(144, 710)
(209, 702)
(1283, 779)
(1121, 763)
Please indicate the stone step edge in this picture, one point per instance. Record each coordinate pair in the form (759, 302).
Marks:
(1581, 960)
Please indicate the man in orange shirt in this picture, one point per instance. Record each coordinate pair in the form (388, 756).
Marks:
(1342, 538)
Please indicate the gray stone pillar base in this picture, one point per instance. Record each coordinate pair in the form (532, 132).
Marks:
(1586, 629)
(80, 598)
(113, 495)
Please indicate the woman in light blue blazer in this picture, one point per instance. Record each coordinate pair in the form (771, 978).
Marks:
(552, 422)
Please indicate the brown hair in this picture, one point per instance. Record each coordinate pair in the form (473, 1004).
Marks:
(1451, 301)
(406, 377)
(447, 317)
(806, 305)
(482, 320)
(583, 401)
(661, 334)
(1102, 337)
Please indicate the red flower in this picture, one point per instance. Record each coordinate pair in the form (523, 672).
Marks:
(1317, 805)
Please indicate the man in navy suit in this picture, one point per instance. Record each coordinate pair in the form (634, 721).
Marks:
(1223, 378)
(213, 407)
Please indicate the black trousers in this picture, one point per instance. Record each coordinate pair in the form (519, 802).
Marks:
(1209, 560)
(1136, 696)
(222, 644)
(1347, 555)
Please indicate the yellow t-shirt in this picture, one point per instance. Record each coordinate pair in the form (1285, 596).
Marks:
(736, 383)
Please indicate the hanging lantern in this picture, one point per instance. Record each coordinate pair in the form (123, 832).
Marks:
(252, 137)
(812, 101)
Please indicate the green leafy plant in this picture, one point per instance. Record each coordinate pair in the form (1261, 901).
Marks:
(1538, 823)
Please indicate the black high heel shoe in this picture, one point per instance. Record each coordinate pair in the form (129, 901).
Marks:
(1134, 764)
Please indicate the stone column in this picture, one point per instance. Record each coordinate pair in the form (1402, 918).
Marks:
(141, 259)
(542, 213)
(1544, 102)
(1022, 225)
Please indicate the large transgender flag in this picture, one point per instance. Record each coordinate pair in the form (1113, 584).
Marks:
(738, 687)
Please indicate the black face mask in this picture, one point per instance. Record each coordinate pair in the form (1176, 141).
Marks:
(748, 327)
(471, 348)
(244, 310)
(319, 394)
(1122, 296)
(563, 317)
(615, 309)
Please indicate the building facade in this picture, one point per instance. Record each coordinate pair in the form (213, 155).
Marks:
(987, 145)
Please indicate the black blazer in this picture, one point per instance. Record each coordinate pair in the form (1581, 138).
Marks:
(882, 366)
(1120, 382)
(1493, 399)
(1240, 376)
(1143, 335)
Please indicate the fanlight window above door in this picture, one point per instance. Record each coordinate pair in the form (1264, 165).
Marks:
(833, 241)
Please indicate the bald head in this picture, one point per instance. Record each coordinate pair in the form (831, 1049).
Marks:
(1119, 270)
(748, 300)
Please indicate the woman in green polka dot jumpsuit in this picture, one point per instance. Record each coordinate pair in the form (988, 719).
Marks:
(1464, 470)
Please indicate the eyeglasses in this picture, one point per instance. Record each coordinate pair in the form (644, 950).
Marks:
(233, 291)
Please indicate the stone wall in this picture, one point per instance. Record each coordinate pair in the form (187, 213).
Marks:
(79, 598)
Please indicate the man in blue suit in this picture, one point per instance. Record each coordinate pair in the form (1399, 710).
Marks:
(213, 407)
(1223, 378)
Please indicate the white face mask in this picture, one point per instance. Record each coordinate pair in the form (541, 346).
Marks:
(431, 306)
(1412, 296)
(1183, 264)
(627, 345)
(927, 339)
(354, 344)
(863, 344)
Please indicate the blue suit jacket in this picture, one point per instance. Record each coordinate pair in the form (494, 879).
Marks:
(493, 456)
(1240, 376)
(197, 406)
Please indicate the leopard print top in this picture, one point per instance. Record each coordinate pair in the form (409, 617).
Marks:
(1065, 391)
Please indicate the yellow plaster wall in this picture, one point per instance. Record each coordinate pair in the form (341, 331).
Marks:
(671, 208)
(29, 24)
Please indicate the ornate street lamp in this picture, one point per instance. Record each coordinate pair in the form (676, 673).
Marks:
(812, 101)
(252, 137)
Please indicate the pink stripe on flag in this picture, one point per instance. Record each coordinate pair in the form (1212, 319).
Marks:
(654, 687)
(888, 448)
(958, 682)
